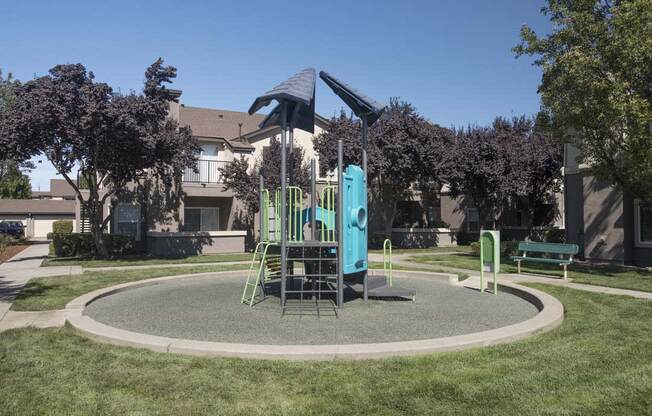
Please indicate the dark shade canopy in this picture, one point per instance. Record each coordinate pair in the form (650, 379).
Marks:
(361, 104)
(300, 88)
(298, 115)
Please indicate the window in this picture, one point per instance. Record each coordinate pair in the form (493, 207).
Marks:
(643, 224)
(128, 220)
(201, 219)
(472, 219)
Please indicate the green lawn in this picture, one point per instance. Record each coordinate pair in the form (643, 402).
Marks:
(46, 293)
(600, 275)
(431, 250)
(599, 362)
(379, 265)
(146, 260)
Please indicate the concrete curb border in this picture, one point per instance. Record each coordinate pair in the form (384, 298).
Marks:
(550, 316)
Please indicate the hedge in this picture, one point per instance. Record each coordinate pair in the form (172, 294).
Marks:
(62, 227)
(81, 245)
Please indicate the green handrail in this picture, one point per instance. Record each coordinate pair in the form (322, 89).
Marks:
(295, 203)
(327, 204)
(387, 261)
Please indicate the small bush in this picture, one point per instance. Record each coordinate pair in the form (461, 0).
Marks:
(62, 227)
(5, 241)
(81, 245)
(475, 248)
(507, 248)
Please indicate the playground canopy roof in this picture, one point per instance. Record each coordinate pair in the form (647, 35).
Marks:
(357, 101)
(298, 115)
(299, 88)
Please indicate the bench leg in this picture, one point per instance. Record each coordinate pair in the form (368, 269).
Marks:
(565, 273)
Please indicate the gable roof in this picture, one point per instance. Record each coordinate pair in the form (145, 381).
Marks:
(221, 124)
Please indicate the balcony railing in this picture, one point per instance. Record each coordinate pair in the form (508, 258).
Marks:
(209, 172)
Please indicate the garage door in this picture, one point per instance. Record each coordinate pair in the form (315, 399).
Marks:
(42, 227)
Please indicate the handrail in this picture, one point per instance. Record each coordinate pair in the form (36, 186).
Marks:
(295, 203)
(387, 260)
(327, 204)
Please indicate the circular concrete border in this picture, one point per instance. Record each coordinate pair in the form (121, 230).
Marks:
(550, 316)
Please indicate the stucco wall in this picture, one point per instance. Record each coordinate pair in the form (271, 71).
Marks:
(603, 221)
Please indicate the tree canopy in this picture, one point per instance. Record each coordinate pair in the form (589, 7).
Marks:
(508, 164)
(597, 84)
(109, 139)
(14, 183)
(403, 149)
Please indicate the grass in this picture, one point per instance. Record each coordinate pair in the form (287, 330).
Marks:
(599, 275)
(54, 292)
(431, 250)
(146, 260)
(379, 265)
(599, 362)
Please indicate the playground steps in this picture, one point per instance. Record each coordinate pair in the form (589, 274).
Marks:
(380, 288)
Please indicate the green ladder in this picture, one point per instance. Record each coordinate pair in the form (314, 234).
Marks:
(256, 275)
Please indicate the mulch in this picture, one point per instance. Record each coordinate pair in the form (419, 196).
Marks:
(11, 251)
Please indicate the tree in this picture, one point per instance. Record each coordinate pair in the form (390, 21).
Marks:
(113, 139)
(507, 164)
(597, 84)
(404, 149)
(245, 182)
(14, 183)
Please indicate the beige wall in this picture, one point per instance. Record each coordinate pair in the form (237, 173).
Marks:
(603, 221)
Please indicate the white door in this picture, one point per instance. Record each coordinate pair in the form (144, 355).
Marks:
(42, 227)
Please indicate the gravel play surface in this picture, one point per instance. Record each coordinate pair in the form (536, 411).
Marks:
(209, 309)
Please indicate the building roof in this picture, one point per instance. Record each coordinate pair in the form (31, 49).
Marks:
(222, 124)
(36, 206)
(58, 188)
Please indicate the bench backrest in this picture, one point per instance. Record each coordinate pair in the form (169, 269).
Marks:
(553, 248)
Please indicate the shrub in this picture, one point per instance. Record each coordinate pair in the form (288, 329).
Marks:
(62, 227)
(81, 245)
(475, 248)
(5, 240)
(507, 248)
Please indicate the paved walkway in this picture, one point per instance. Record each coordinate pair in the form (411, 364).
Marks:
(24, 266)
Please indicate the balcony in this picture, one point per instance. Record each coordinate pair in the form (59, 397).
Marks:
(209, 172)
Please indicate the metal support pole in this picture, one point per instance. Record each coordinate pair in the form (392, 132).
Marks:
(313, 200)
(340, 224)
(261, 209)
(284, 230)
(365, 277)
(291, 155)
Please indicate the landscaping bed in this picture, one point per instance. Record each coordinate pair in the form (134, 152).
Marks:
(598, 362)
(10, 251)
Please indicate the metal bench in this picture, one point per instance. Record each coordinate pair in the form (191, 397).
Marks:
(559, 250)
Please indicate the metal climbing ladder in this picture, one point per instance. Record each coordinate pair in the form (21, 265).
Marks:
(261, 262)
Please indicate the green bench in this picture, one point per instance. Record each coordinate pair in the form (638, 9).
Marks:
(558, 250)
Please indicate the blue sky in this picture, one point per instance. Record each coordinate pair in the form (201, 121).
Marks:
(451, 59)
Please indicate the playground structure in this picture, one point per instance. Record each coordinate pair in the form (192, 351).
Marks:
(310, 269)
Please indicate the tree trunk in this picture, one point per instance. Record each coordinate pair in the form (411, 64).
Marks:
(97, 229)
